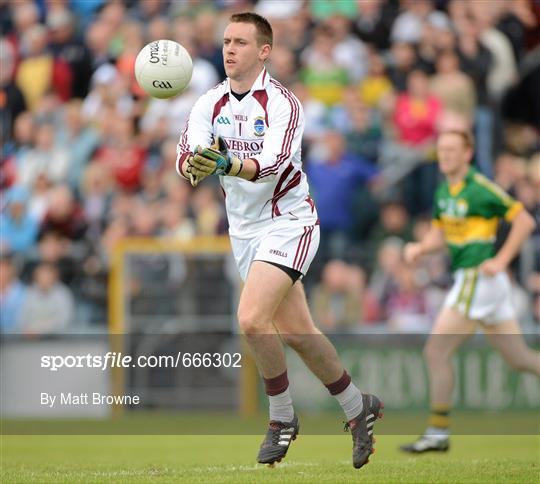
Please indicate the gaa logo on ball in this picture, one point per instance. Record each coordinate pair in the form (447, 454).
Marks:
(163, 68)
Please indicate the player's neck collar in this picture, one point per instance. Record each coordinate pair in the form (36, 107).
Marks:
(260, 83)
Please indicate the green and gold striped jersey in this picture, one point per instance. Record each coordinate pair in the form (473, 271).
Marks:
(469, 214)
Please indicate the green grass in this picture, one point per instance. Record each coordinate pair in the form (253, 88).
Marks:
(231, 459)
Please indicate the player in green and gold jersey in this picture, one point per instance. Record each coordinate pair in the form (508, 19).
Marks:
(467, 211)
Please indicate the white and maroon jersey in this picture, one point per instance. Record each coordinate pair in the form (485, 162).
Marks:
(266, 125)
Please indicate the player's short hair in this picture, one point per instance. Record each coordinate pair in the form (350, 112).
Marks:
(264, 29)
(466, 136)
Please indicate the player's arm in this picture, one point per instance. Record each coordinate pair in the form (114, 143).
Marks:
(282, 140)
(197, 131)
(500, 204)
(522, 227)
(433, 241)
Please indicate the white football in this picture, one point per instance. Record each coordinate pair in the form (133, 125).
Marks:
(163, 68)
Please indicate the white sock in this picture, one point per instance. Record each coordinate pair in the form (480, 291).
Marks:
(437, 432)
(351, 402)
(281, 408)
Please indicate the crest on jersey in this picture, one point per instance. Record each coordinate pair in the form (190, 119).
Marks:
(258, 126)
(461, 207)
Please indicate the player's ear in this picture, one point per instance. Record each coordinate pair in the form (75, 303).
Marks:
(264, 53)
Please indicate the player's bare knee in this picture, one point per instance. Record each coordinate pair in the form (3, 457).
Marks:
(295, 341)
(251, 322)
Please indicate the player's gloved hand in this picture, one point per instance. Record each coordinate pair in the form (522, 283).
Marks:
(195, 176)
(216, 160)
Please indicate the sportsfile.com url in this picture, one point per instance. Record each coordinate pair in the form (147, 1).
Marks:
(114, 359)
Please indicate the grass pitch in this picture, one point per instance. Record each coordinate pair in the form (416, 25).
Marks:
(231, 459)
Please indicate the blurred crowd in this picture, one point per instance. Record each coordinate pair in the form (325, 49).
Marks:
(88, 159)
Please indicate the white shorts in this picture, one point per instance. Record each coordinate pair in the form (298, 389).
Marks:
(480, 297)
(289, 244)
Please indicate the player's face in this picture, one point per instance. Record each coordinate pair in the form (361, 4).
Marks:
(241, 54)
(452, 153)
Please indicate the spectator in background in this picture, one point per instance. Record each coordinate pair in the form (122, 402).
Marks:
(175, 222)
(408, 25)
(283, 66)
(148, 11)
(109, 96)
(453, 87)
(384, 279)
(335, 175)
(360, 125)
(144, 220)
(394, 221)
(55, 249)
(71, 51)
(415, 121)
(49, 305)
(341, 300)
(46, 158)
(25, 16)
(376, 85)
(122, 153)
(503, 70)
(19, 228)
(97, 194)
(64, 215)
(130, 42)
(12, 295)
(23, 135)
(38, 71)
(315, 112)
(349, 51)
(12, 101)
(374, 22)
(208, 44)
(208, 211)
(321, 72)
(79, 138)
(476, 60)
(401, 61)
(416, 113)
(98, 38)
(406, 308)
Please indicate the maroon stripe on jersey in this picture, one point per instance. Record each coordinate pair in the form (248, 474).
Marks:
(277, 190)
(306, 251)
(262, 97)
(300, 242)
(294, 182)
(282, 178)
(289, 133)
(183, 138)
(217, 107)
(179, 162)
(311, 203)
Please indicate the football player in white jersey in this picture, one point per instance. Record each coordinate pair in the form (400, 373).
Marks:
(248, 131)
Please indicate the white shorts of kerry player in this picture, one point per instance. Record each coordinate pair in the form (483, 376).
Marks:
(480, 297)
(290, 244)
